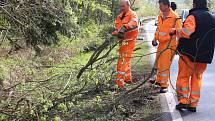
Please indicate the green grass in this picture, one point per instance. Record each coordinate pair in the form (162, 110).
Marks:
(146, 8)
(66, 59)
(140, 63)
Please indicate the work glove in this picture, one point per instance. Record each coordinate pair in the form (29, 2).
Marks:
(154, 43)
(172, 32)
(121, 33)
(115, 33)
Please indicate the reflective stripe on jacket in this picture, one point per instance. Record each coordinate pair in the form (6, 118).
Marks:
(165, 24)
(188, 27)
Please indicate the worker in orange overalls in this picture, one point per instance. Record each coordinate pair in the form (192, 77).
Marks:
(166, 20)
(196, 48)
(126, 29)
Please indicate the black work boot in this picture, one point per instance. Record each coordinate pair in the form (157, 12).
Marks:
(163, 90)
(154, 82)
(128, 82)
(112, 85)
(192, 109)
(181, 106)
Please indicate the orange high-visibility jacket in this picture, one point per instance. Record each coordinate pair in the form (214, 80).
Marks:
(188, 27)
(165, 24)
(130, 21)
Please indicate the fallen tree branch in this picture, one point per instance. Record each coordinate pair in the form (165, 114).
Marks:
(95, 56)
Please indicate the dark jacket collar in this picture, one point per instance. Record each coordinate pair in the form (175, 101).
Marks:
(198, 9)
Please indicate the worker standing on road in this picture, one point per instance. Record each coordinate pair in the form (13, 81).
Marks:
(126, 29)
(196, 48)
(166, 20)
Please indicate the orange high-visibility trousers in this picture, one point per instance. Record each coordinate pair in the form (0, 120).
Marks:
(124, 63)
(164, 62)
(189, 81)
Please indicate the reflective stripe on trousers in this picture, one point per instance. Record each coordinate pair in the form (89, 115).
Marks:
(189, 81)
(124, 63)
